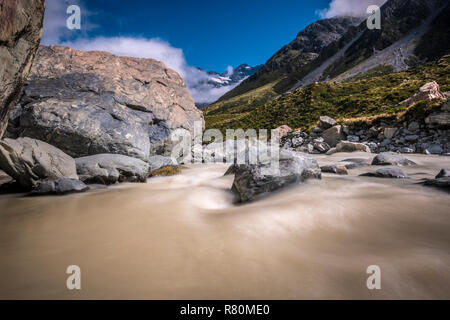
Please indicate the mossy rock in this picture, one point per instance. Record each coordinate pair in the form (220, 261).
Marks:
(166, 172)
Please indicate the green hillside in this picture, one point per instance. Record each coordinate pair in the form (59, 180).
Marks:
(377, 92)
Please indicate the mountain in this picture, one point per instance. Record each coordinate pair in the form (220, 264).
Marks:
(306, 47)
(413, 34)
(221, 82)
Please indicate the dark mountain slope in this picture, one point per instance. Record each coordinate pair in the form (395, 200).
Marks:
(306, 47)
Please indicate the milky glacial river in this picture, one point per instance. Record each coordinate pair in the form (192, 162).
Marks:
(183, 238)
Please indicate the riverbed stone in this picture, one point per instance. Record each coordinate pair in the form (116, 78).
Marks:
(347, 146)
(252, 180)
(111, 168)
(391, 158)
(30, 161)
(333, 135)
(59, 187)
(444, 173)
(393, 173)
(326, 122)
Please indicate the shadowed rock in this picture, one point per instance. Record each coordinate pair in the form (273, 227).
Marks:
(20, 34)
(336, 169)
(333, 135)
(59, 187)
(252, 180)
(392, 173)
(30, 161)
(391, 159)
(111, 168)
(444, 173)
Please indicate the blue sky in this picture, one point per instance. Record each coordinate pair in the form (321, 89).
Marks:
(185, 34)
(212, 34)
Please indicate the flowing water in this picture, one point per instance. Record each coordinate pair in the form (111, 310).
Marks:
(182, 238)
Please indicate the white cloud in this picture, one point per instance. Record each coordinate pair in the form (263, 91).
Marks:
(354, 8)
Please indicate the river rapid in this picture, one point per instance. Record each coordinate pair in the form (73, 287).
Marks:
(182, 237)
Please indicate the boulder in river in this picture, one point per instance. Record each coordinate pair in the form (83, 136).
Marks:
(88, 103)
(252, 180)
(392, 173)
(30, 161)
(59, 187)
(111, 168)
(20, 34)
(444, 173)
(336, 169)
(391, 159)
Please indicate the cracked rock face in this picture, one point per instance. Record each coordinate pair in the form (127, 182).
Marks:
(88, 103)
(20, 34)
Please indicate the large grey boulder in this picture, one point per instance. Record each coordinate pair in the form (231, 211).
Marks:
(111, 168)
(20, 34)
(333, 135)
(251, 180)
(88, 103)
(59, 187)
(30, 161)
(391, 159)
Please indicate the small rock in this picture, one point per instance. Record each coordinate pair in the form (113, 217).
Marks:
(385, 142)
(395, 173)
(372, 133)
(322, 147)
(434, 149)
(389, 133)
(333, 136)
(326, 122)
(317, 130)
(390, 158)
(353, 138)
(412, 138)
(60, 187)
(413, 126)
(283, 130)
(441, 183)
(347, 146)
(336, 169)
(444, 173)
(406, 150)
